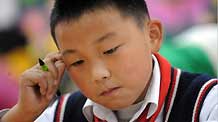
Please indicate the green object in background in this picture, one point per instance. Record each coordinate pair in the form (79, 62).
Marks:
(28, 2)
(32, 2)
(188, 58)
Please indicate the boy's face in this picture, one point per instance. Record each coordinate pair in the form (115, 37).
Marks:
(109, 56)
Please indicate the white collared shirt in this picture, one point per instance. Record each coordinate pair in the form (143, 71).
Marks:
(152, 97)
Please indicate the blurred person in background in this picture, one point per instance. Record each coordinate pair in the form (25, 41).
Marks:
(179, 14)
(204, 38)
(12, 41)
(16, 51)
(9, 12)
(203, 35)
(34, 22)
(199, 52)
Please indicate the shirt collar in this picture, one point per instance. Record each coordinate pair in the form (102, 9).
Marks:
(152, 96)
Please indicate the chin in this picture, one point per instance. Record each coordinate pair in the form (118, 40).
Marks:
(117, 105)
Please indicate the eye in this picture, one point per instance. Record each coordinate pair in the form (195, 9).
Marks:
(111, 51)
(77, 63)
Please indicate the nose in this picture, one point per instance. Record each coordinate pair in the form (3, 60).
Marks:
(100, 72)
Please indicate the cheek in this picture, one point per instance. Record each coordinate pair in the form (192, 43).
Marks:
(79, 79)
(75, 76)
(134, 68)
(83, 83)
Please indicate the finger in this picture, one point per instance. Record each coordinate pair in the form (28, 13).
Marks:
(50, 62)
(55, 56)
(33, 78)
(52, 69)
(53, 90)
(53, 73)
(51, 86)
(61, 68)
(43, 79)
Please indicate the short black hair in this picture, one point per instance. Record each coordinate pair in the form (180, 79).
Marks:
(65, 10)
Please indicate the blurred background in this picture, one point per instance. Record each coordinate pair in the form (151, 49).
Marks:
(190, 38)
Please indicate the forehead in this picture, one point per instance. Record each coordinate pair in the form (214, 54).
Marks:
(91, 26)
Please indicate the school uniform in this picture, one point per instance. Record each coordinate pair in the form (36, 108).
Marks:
(173, 96)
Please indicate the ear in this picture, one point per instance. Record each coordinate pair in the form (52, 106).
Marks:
(155, 32)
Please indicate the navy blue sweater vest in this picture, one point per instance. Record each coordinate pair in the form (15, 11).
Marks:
(186, 96)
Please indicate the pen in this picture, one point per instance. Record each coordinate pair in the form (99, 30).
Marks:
(44, 67)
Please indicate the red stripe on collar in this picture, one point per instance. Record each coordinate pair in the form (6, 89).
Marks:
(58, 115)
(172, 93)
(165, 70)
(165, 73)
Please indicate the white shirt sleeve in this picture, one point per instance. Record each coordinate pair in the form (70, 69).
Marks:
(209, 111)
(48, 114)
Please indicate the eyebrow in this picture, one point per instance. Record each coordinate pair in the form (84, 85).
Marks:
(68, 51)
(99, 40)
(103, 38)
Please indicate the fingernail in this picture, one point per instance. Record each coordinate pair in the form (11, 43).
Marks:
(42, 92)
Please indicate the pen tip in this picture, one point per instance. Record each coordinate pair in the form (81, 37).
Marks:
(41, 62)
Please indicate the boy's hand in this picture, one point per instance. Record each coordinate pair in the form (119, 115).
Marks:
(37, 88)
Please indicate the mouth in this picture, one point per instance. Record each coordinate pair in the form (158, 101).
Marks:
(109, 91)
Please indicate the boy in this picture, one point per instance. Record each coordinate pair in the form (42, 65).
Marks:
(109, 48)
